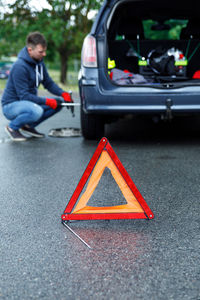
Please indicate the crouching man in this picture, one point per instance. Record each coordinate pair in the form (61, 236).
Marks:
(20, 102)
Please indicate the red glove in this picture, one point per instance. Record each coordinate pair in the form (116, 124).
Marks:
(67, 97)
(53, 103)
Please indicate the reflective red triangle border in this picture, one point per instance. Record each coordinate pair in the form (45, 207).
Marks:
(68, 214)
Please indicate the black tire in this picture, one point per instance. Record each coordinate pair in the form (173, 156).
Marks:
(92, 126)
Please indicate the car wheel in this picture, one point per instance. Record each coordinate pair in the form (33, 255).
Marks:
(92, 126)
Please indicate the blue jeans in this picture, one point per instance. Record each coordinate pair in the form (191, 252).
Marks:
(26, 112)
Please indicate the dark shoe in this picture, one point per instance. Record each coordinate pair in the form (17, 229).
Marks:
(15, 135)
(32, 131)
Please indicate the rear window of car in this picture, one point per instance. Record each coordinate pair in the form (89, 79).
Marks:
(168, 30)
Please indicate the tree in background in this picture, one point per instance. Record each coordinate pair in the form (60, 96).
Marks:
(64, 24)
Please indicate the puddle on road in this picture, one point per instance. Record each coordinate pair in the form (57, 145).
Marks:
(113, 250)
(109, 238)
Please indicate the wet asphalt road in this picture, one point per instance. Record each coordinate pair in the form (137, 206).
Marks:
(130, 259)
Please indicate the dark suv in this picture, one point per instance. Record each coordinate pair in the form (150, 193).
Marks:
(141, 57)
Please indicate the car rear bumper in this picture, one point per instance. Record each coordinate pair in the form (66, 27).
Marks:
(127, 100)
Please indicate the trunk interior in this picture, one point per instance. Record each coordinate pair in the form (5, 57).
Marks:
(155, 43)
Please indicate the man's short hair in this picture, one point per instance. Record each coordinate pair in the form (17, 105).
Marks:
(34, 39)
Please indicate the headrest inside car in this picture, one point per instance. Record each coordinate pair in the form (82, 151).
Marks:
(130, 28)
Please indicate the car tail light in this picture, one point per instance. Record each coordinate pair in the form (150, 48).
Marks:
(89, 53)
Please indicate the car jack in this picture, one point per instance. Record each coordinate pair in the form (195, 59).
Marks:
(70, 106)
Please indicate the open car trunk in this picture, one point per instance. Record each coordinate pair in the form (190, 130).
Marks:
(154, 43)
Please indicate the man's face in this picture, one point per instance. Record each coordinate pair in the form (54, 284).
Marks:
(37, 53)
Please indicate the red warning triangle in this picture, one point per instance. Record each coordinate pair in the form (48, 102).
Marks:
(105, 157)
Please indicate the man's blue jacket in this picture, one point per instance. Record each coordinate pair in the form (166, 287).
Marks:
(24, 79)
